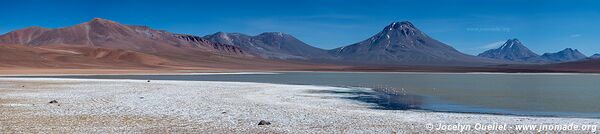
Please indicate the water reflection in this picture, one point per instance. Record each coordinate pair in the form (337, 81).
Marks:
(573, 95)
(384, 98)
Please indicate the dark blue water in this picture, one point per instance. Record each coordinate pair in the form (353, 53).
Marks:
(564, 95)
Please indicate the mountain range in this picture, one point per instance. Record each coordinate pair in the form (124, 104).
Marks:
(108, 44)
(109, 34)
(105, 43)
(271, 45)
(514, 50)
(401, 43)
(566, 55)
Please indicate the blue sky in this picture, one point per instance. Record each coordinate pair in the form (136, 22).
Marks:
(471, 26)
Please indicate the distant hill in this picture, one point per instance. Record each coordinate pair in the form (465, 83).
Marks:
(514, 50)
(565, 55)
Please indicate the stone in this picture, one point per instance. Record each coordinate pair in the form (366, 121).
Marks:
(263, 122)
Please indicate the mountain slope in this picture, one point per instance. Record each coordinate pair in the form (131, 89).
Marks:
(512, 50)
(565, 55)
(272, 45)
(109, 34)
(76, 57)
(595, 56)
(401, 43)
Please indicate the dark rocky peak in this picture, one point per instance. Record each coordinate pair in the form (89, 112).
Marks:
(512, 50)
(215, 45)
(511, 43)
(190, 38)
(570, 50)
(273, 34)
(405, 28)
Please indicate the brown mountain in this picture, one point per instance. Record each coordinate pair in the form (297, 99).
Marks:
(109, 34)
(108, 44)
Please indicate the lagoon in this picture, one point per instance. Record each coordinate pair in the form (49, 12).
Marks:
(560, 95)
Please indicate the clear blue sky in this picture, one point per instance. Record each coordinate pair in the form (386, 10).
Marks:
(470, 26)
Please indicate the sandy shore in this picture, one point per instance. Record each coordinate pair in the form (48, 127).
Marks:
(43, 71)
(124, 106)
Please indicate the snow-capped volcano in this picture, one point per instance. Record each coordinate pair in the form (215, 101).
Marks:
(512, 50)
(401, 43)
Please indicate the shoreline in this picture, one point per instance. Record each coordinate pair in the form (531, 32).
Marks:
(166, 73)
(107, 105)
(219, 72)
(152, 71)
